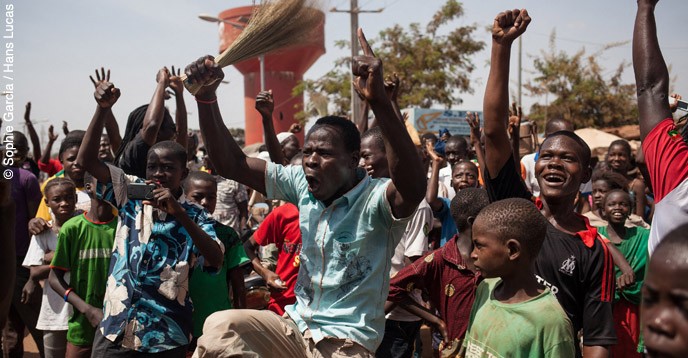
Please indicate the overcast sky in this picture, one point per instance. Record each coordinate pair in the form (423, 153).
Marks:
(58, 44)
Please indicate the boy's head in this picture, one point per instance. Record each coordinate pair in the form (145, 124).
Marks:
(330, 157)
(373, 153)
(619, 156)
(60, 197)
(507, 236)
(456, 149)
(563, 164)
(466, 205)
(201, 188)
(464, 175)
(105, 151)
(664, 307)
(558, 124)
(166, 164)
(616, 206)
(69, 148)
(604, 181)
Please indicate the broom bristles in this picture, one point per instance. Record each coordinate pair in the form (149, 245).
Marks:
(274, 24)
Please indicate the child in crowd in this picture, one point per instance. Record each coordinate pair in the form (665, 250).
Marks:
(210, 292)
(160, 237)
(513, 316)
(60, 197)
(632, 243)
(464, 175)
(604, 181)
(663, 306)
(83, 253)
(447, 274)
(618, 159)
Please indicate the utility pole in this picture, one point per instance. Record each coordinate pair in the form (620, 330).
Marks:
(354, 11)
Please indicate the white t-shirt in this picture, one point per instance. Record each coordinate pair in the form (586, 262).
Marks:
(413, 243)
(55, 312)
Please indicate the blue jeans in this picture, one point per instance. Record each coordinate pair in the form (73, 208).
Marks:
(399, 339)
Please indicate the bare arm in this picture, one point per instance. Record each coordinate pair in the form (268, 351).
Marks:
(408, 178)
(58, 283)
(180, 117)
(640, 198)
(155, 113)
(627, 275)
(433, 184)
(271, 278)
(227, 158)
(265, 104)
(473, 120)
(52, 137)
(515, 116)
(651, 74)
(35, 142)
(506, 28)
(236, 281)
(111, 126)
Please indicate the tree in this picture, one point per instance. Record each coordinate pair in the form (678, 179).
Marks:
(435, 69)
(581, 92)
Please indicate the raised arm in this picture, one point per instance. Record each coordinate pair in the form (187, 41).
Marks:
(265, 104)
(106, 94)
(651, 74)
(155, 113)
(507, 26)
(473, 120)
(111, 126)
(52, 137)
(228, 159)
(180, 118)
(35, 142)
(437, 163)
(515, 117)
(408, 177)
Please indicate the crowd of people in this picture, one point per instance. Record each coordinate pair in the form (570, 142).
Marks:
(144, 244)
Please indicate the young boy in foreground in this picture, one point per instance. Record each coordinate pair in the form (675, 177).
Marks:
(447, 274)
(512, 315)
(83, 250)
(158, 241)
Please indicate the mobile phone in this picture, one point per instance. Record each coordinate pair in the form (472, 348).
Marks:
(682, 105)
(140, 191)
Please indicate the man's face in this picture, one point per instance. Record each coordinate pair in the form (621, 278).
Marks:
(290, 147)
(329, 168)
(490, 255)
(559, 168)
(164, 168)
(73, 170)
(664, 306)
(464, 175)
(203, 193)
(104, 151)
(374, 158)
(454, 152)
(617, 207)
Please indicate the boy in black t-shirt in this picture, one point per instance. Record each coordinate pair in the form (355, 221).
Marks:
(573, 261)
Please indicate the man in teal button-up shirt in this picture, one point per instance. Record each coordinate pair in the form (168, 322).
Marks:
(350, 225)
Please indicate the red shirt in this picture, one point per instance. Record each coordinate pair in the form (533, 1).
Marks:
(450, 284)
(52, 168)
(281, 227)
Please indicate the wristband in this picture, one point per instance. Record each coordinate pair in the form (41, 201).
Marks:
(67, 292)
(214, 100)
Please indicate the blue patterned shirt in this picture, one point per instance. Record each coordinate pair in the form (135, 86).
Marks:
(345, 258)
(147, 306)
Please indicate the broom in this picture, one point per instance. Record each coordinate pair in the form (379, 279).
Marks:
(274, 24)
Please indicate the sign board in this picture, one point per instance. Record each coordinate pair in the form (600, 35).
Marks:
(432, 120)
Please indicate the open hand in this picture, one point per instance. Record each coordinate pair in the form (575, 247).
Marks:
(206, 73)
(100, 77)
(176, 83)
(52, 136)
(473, 120)
(368, 74)
(436, 158)
(509, 25)
(515, 117)
(265, 104)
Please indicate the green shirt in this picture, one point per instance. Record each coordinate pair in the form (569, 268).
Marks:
(538, 327)
(634, 249)
(210, 291)
(84, 249)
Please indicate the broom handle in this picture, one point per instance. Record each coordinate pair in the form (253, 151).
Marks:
(220, 60)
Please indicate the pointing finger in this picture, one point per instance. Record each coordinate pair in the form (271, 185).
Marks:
(365, 46)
